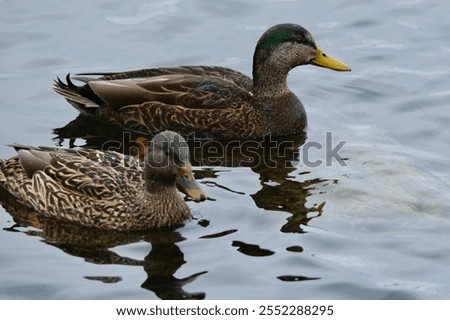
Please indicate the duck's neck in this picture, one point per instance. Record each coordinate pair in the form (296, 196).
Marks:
(283, 110)
(269, 74)
(161, 205)
(156, 187)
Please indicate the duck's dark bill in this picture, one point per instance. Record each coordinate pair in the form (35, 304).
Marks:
(187, 184)
(325, 61)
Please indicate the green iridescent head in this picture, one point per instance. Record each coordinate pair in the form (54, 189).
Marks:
(294, 45)
(285, 33)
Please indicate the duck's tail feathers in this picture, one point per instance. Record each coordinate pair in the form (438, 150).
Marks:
(81, 97)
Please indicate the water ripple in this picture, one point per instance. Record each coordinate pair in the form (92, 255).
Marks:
(147, 12)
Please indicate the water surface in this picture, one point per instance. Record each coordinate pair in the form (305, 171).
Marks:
(376, 228)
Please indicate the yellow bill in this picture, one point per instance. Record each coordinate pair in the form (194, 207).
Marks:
(322, 60)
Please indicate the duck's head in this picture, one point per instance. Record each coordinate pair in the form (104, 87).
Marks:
(286, 46)
(168, 163)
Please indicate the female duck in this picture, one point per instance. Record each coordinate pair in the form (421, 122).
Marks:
(212, 102)
(105, 190)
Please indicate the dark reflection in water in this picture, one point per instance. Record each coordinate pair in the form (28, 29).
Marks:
(104, 279)
(162, 262)
(273, 159)
(296, 278)
(160, 265)
(279, 192)
(252, 249)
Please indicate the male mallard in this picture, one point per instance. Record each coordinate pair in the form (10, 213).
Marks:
(212, 102)
(106, 190)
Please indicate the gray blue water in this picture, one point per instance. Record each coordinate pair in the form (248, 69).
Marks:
(375, 228)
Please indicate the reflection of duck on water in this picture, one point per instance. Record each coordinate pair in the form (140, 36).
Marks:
(280, 191)
(94, 246)
(275, 160)
(162, 263)
(212, 102)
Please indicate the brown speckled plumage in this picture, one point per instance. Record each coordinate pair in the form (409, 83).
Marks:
(106, 190)
(212, 102)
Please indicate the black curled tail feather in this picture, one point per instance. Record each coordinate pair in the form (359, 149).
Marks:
(81, 97)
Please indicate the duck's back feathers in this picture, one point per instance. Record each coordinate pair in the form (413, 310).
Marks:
(64, 183)
(138, 86)
(189, 91)
(228, 74)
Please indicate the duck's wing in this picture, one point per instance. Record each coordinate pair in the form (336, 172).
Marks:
(90, 173)
(192, 87)
(228, 74)
(87, 187)
(188, 91)
(17, 171)
(93, 173)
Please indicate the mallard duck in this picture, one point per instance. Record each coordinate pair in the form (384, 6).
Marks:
(105, 189)
(212, 102)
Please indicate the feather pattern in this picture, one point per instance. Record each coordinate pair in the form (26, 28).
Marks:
(102, 189)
